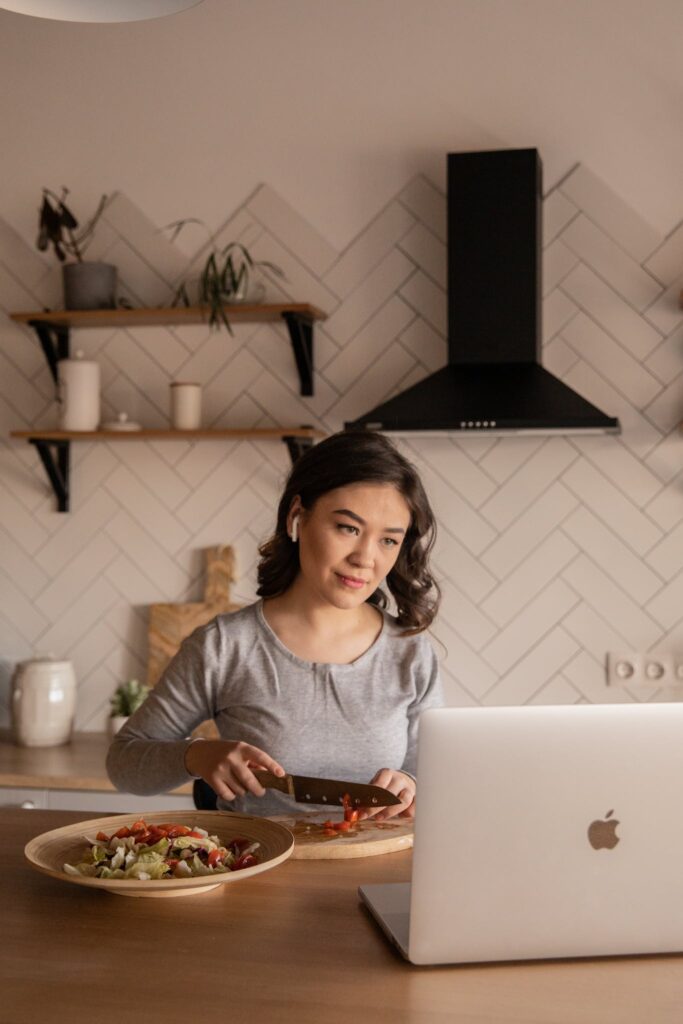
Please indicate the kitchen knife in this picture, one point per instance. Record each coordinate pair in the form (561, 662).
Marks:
(327, 791)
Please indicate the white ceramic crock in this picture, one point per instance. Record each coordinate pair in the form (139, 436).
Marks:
(43, 702)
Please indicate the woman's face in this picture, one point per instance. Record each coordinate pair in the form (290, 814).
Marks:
(349, 541)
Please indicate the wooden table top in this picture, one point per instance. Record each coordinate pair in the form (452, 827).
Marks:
(75, 765)
(289, 946)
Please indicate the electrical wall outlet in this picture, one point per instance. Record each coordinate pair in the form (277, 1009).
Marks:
(644, 671)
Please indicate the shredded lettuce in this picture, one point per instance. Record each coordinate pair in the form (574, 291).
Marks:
(192, 842)
(179, 857)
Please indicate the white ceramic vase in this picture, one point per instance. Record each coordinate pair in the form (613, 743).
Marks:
(43, 702)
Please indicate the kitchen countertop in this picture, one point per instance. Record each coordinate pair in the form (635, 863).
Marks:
(291, 945)
(75, 765)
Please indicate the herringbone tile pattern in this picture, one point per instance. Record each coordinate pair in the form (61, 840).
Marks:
(551, 550)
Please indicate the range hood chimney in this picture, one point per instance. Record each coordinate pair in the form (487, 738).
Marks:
(494, 382)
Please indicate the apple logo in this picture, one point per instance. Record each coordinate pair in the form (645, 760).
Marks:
(602, 833)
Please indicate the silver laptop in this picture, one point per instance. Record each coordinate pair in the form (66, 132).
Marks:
(542, 832)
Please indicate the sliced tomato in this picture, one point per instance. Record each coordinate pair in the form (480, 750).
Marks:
(195, 835)
(247, 861)
(342, 826)
(138, 826)
(329, 832)
(172, 861)
(215, 857)
(350, 814)
(123, 833)
(173, 831)
(102, 837)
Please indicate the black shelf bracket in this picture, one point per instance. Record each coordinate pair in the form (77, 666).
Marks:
(54, 341)
(296, 446)
(56, 457)
(300, 329)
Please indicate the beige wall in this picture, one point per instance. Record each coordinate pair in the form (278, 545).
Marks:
(318, 132)
(336, 103)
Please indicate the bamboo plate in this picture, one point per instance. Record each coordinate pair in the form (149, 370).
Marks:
(51, 850)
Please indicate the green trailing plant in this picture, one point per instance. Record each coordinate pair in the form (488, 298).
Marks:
(127, 698)
(59, 228)
(224, 278)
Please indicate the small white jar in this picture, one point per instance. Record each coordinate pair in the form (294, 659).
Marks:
(186, 405)
(43, 702)
(79, 393)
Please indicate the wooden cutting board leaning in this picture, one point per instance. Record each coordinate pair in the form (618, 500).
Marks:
(169, 624)
(364, 839)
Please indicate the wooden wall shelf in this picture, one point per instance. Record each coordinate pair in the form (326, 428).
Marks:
(53, 326)
(54, 446)
(256, 433)
(170, 315)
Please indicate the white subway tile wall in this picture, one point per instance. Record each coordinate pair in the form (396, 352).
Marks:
(552, 551)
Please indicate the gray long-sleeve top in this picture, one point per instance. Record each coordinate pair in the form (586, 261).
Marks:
(338, 721)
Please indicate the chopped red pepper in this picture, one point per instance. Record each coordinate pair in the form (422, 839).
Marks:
(332, 828)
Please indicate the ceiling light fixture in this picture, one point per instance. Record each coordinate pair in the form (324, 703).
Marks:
(98, 10)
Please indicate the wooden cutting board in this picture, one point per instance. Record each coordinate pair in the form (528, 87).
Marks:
(169, 624)
(367, 839)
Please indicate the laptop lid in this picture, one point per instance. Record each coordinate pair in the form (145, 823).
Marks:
(547, 832)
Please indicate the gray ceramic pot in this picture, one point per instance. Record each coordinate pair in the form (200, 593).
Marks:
(89, 285)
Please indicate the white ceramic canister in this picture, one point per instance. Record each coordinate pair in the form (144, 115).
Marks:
(186, 405)
(43, 702)
(79, 392)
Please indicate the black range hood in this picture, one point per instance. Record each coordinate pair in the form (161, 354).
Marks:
(494, 381)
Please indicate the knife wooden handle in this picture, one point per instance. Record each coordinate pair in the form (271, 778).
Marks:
(270, 781)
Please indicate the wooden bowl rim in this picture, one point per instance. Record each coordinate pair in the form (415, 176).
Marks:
(214, 822)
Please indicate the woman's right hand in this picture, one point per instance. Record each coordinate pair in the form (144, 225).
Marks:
(227, 766)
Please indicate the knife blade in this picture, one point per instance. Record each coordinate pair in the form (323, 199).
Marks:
(306, 790)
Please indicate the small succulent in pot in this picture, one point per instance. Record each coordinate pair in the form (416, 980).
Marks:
(59, 228)
(225, 276)
(127, 698)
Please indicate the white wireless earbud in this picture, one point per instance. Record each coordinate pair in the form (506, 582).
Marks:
(295, 529)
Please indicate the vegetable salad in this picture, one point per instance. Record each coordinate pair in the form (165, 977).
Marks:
(143, 852)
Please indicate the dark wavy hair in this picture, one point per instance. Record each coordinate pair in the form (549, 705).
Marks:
(351, 458)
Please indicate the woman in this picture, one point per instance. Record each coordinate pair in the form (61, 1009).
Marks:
(316, 678)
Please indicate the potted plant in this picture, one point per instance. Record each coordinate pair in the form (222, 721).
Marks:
(87, 284)
(126, 700)
(225, 279)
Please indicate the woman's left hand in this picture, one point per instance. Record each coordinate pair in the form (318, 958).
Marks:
(402, 786)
